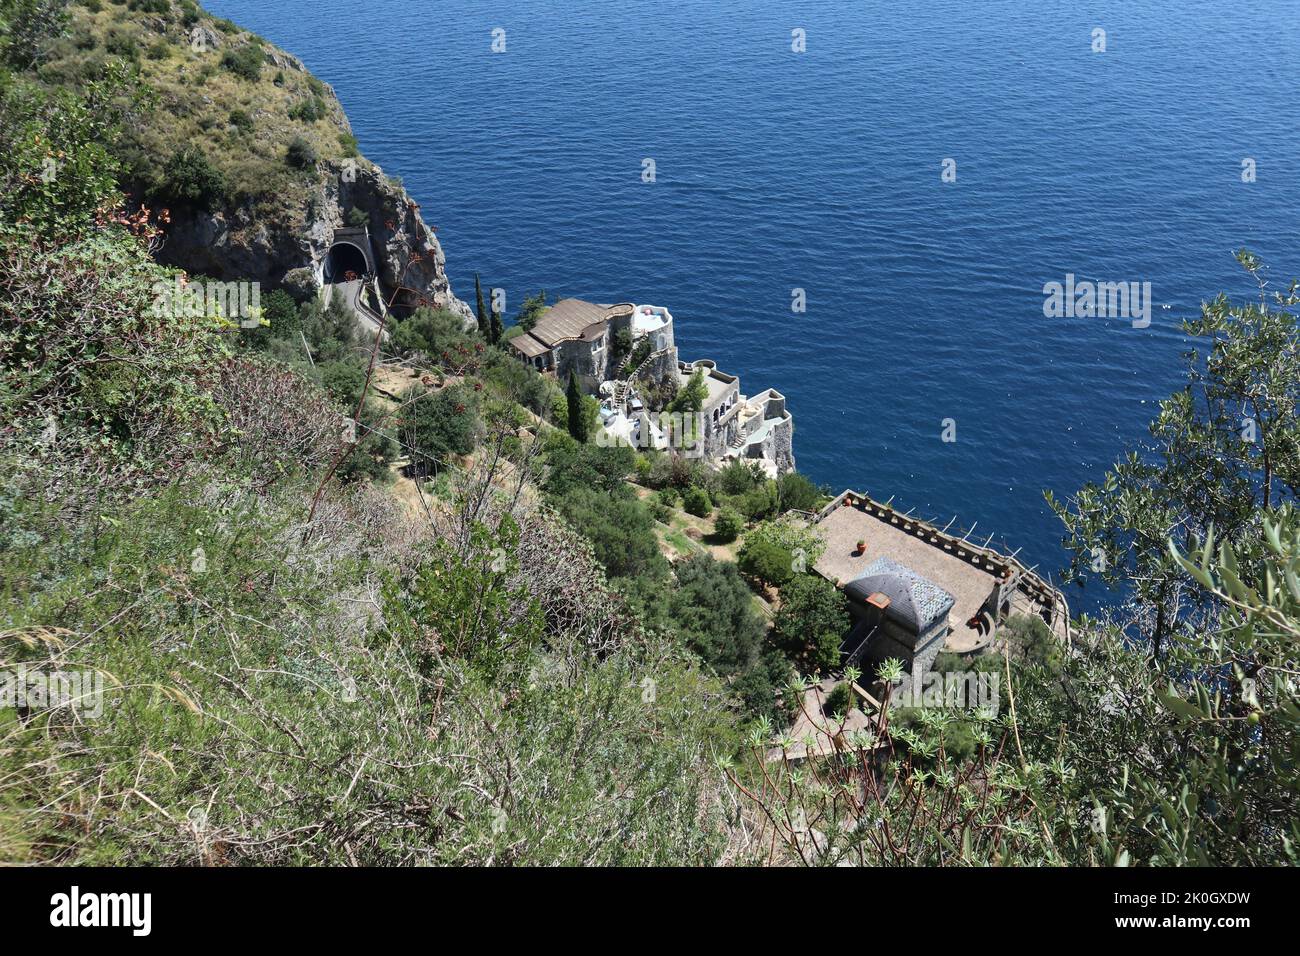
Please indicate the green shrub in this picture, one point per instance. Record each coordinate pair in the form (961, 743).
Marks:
(244, 61)
(839, 701)
(190, 179)
(439, 425)
(759, 502)
(713, 611)
(301, 154)
(343, 379)
(697, 502)
(796, 492)
(123, 45)
(728, 525)
(620, 528)
(738, 477)
(308, 111)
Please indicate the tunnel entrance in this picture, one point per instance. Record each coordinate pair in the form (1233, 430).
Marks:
(344, 262)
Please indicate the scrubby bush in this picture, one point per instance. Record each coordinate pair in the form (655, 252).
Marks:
(759, 502)
(728, 525)
(189, 179)
(244, 61)
(571, 465)
(301, 154)
(620, 528)
(122, 44)
(698, 502)
(796, 492)
(738, 477)
(839, 701)
(308, 111)
(713, 611)
(436, 426)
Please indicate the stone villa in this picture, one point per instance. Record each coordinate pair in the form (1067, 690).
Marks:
(573, 336)
(913, 591)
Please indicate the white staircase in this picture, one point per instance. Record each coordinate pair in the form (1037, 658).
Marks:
(623, 386)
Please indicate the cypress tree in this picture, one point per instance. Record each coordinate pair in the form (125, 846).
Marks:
(497, 329)
(483, 328)
(577, 418)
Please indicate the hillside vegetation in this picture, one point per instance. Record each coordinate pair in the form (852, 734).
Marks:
(232, 118)
(341, 602)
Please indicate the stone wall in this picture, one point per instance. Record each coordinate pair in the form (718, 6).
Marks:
(575, 357)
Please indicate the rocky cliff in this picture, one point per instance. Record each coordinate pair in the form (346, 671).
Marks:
(237, 242)
(252, 155)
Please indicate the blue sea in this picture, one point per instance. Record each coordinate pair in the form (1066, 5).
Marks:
(821, 170)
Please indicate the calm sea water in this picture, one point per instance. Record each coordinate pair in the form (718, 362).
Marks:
(821, 170)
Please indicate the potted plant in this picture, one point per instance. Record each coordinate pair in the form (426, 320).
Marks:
(862, 547)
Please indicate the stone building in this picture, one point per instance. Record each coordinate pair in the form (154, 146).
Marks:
(898, 614)
(577, 336)
(574, 336)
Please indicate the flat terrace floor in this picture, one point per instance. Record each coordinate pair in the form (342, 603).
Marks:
(970, 586)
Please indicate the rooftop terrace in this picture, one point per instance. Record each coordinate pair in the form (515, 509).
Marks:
(968, 572)
(715, 382)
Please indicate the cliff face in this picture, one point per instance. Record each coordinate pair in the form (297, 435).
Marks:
(241, 243)
(278, 160)
(408, 255)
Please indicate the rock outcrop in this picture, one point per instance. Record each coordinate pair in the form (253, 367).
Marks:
(282, 241)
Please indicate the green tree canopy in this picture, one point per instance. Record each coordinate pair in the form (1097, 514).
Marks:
(713, 611)
(577, 413)
(531, 311)
(811, 624)
(1223, 451)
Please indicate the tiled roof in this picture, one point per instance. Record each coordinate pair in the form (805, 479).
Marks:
(914, 600)
(528, 345)
(569, 319)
